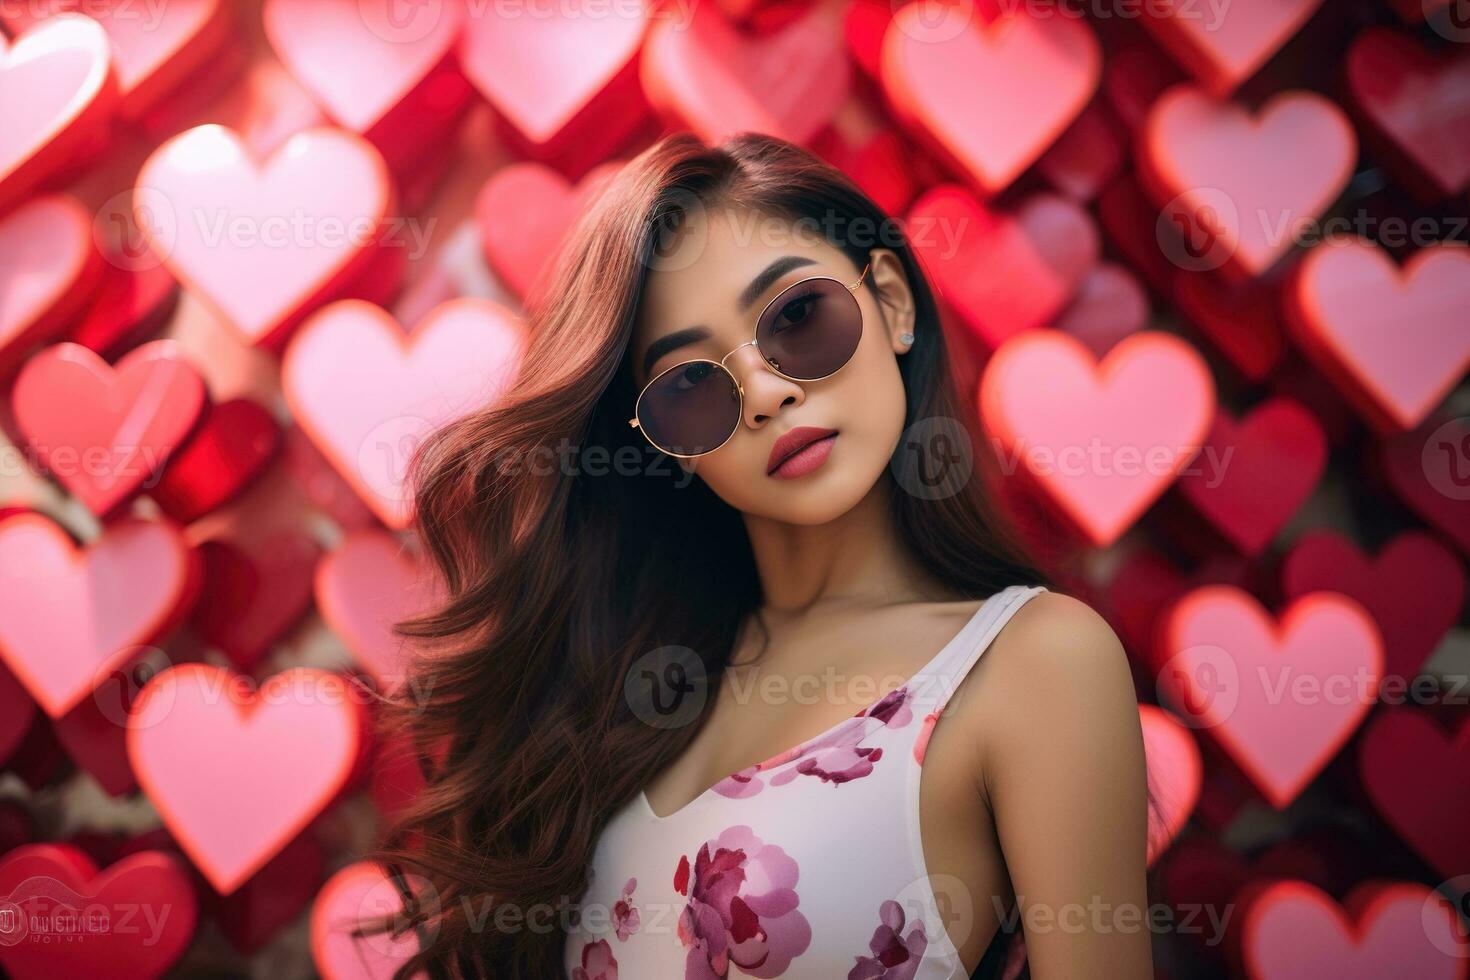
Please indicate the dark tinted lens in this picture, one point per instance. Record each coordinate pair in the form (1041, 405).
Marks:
(690, 409)
(811, 329)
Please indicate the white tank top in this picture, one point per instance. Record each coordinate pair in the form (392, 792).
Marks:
(808, 866)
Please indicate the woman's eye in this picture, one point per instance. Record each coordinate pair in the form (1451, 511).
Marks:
(794, 311)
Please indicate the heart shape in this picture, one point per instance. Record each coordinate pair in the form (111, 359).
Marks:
(149, 891)
(1427, 470)
(1175, 774)
(1109, 305)
(402, 386)
(57, 92)
(234, 443)
(1224, 46)
(236, 773)
(1241, 188)
(1280, 695)
(1404, 759)
(1243, 322)
(1257, 472)
(17, 711)
(255, 591)
(1086, 157)
(129, 306)
(1037, 70)
(1414, 587)
(1394, 341)
(708, 76)
(274, 897)
(70, 616)
(49, 269)
(365, 585)
(1290, 929)
(361, 894)
(1145, 407)
(264, 245)
(1003, 272)
(104, 432)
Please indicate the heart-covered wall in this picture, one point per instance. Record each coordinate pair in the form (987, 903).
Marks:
(251, 252)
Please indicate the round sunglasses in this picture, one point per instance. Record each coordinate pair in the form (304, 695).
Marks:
(808, 332)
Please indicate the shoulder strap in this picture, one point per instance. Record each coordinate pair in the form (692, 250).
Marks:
(947, 673)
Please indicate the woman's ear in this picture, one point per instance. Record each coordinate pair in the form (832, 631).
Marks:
(894, 296)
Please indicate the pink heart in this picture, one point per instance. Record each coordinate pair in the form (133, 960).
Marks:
(70, 616)
(402, 385)
(710, 77)
(105, 432)
(1281, 696)
(1393, 340)
(57, 89)
(1290, 930)
(358, 60)
(1224, 48)
(366, 584)
(1244, 188)
(264, 245)
(1104, 439)
(48, 269)
(1109, 305)
(359, 895)
(989, 97)
(236, 773)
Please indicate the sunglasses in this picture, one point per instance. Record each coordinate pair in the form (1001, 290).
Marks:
(808, 332)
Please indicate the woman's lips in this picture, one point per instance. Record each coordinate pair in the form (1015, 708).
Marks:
(806, 459)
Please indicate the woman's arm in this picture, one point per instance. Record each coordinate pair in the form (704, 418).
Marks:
(1062, 769)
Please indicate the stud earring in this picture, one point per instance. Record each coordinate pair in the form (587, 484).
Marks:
(906, 338)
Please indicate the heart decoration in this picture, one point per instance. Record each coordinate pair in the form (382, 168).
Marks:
(273, 898)
(1053, 407)
(1224, 46)
(48, 268)
(129, 306)
(264, 245)
(1242, 187)
(1290, 929)
(57, 94)
(403, 385)
(1243, 322)
(147, 898)
(17, 711)
(255, 591)
(1087, 157)
(1394, 341)
(359, 896)
(105, 432)
(1037, 68)
(1109, 305)
(1280, 695)
(1257, 473)
(1003, 273)
(237, 773)
(1429, 469)
(235, 442)
(1404, 759)
(1175, 773)
(70, 616)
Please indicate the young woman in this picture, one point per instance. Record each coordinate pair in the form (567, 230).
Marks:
(716, 562)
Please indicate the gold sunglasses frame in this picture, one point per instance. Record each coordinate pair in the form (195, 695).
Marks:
(752, 342)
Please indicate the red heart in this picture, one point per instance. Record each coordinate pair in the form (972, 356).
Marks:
(254, 592)
(359, 895)
(1242, 188)
(1429, 469)
(1135, 75)
(401, 387)
(1408, 763)
(1037, 71)
(1252, 476)
(57, 93)
(524, 211)
(265, 245)
(1110, 304)
(708, 76)
(146, 900)
(1225, 45)
(1175, 773)
(273, 898)
(1290, 930)
(1087, 157)
(1414, 587)
(1243, 322)
(1105, 439)
(233, 445)
(365, 585)
(48, 269)
(237, 773)
(1003, 273)
(17, 711)
(1281, 696)
(1416, 100)
(130, 305)
(104, 432)
(879, 161)
(70, 616)
(1393, 340)
(94, 732)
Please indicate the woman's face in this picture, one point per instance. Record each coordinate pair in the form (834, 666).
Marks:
(705, 281)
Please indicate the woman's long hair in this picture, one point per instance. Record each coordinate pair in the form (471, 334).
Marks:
(562, 573)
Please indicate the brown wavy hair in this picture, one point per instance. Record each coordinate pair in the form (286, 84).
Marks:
(559, 579)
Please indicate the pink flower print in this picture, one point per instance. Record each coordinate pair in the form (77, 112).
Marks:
(921, 743)
(624, 913)
(742, 908)
(598, 963)
(895, 956)
(892, 708)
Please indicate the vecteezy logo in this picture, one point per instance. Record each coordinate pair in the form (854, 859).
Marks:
(1445, 459)
(934, 459)
(667, 687)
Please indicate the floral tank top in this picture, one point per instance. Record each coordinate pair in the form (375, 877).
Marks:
(807, 866)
